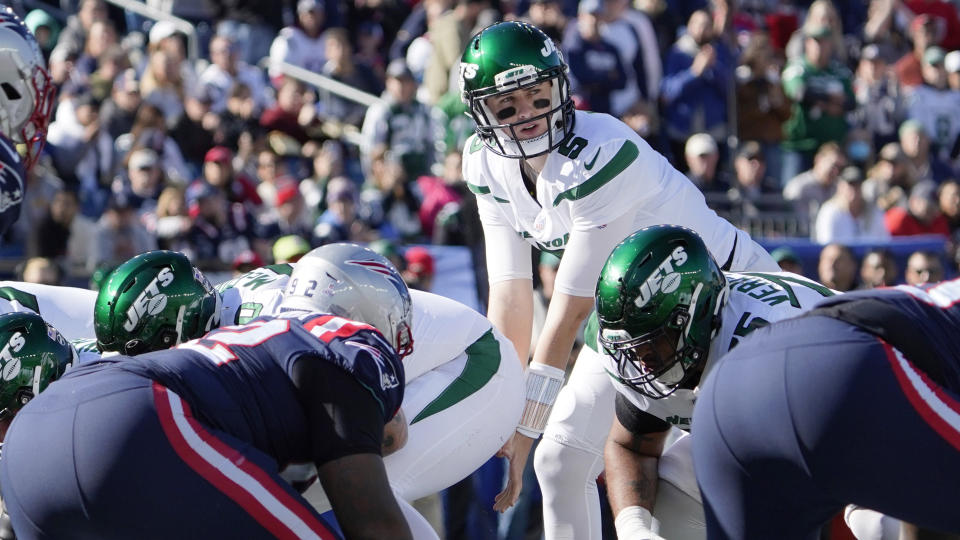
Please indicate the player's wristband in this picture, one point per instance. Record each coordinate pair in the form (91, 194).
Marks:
(636, 523)
(543, 385)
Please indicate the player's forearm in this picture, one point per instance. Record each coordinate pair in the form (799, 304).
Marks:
(631, 477)
(564, 317)
(511, 312)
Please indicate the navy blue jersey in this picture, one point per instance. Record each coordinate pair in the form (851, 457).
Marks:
(912, 319)
(238, 378)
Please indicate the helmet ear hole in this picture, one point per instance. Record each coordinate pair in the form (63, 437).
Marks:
(10, 91)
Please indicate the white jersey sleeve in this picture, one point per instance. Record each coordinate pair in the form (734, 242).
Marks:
(68, 309)
(442, 330)
(256, 293)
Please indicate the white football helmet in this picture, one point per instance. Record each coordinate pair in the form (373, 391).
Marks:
(356, 283)
(26, 92)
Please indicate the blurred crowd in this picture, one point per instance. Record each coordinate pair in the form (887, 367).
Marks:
(836, 122)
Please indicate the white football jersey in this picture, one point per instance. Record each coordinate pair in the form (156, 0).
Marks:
(601, 172)
(754, 300)
(442, 328)
(68, 309)
(938, 111)
(255, 293)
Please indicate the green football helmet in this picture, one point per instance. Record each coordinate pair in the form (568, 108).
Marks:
(153, 302)
(659, 299)
(508, 56)
(33, 354)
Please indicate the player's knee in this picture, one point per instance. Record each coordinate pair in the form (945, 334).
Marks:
(556, 463)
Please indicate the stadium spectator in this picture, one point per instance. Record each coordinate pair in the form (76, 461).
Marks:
(924, 33)
(880, 102)
(327, 162)
(300, 44)
(948, 199)
(143, 180)
(339, 223)
(923, 267)
(63, 234)
(810, 189)
(952, 64)
(163, 86)
(403, 126)
(632, 34)
(821, 14)
(119, 110)
(342, 66)
(878, 269)
(252, 24)
(944, 14)
(916, 145)
(935, 106)
(448, 35)
(288, 216)
(695, 84)
(920, 216)
(218, 172)
(548, 16)
(119, 235)
(164, 36)
(392, 202)
(762, 107)
(420, 270)
(45, 28)
(788, 260)
(172, 220)
(220, 230)
(846, 217)
(751, 192)
(226, 69)
(100, 39)
(595, 66)
(194, 130)
(819, 86)
(890, 179)
(271, 173)
(150, 131)
(73, 38)
(837, 267)
(702, 157)
(284, 115)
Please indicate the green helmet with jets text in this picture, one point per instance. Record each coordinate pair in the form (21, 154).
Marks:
(153, 302)
(34, 354)
(508, 56)
(659, 299)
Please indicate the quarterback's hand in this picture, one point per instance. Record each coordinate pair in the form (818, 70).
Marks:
(516, 450)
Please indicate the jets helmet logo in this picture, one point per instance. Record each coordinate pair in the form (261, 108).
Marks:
(150, 301)
(11, 364)
(664, 279)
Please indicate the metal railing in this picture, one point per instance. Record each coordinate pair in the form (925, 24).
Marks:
(193, 46)
(330, 85)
